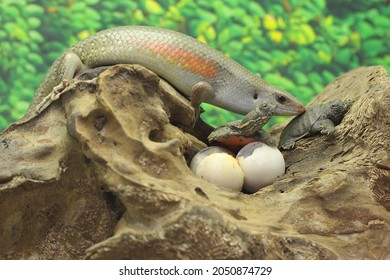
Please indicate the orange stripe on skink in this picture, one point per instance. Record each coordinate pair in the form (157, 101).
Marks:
(187, 60)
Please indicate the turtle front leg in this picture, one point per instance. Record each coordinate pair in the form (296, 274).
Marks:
(287, 144)
(325, 126)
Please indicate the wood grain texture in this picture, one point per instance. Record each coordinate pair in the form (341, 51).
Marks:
(113, 180)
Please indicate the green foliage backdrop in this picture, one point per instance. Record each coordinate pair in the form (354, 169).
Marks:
(298, 45)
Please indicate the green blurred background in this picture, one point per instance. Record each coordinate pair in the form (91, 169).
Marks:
(298, 45)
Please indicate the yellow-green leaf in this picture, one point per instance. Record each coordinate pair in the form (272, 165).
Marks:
(276, 36)
(153, 7)
(270, 22)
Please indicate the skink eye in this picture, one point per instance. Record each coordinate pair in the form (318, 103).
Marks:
(281, 99)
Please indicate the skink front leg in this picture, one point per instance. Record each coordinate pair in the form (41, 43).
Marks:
(68, 68)
(200, 92)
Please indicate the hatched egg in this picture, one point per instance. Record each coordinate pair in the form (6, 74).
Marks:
(222, 170)
(261, 165)
(202, 154)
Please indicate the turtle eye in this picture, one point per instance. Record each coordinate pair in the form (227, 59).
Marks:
(334, 106)
(281, 99)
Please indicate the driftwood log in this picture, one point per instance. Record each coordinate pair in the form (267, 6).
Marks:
(102, 173)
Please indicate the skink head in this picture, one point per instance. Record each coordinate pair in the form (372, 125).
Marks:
(286, 104)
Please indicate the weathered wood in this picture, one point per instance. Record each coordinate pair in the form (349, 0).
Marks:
(102, 174)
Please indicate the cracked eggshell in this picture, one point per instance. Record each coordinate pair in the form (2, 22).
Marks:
(222, 170)
(261, 165)
(202, 154)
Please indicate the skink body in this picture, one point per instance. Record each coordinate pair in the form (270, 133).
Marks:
(194, 68)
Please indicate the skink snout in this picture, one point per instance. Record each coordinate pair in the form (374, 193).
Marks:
(301, 109)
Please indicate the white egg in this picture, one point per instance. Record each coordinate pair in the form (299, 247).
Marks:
(222, 170)
(261, 165)
(202, 154)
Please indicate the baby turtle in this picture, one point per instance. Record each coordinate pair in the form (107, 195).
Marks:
(234, 135)
(317, 119)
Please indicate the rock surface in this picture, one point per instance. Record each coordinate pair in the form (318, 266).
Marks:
(102, 174)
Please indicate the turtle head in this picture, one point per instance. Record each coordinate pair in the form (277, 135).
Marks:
(338, 109)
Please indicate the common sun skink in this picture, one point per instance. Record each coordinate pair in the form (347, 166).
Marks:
(200, 72)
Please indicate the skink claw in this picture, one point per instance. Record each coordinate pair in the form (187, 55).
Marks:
(54, 95)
